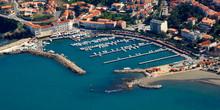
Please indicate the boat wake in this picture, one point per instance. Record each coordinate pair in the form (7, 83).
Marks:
(113, 91)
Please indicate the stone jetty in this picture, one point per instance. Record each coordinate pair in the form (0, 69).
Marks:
(59, 58)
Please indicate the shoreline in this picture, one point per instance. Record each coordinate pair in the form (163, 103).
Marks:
(196, 75)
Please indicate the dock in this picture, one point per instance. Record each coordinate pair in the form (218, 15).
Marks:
(133, 71)
(157, 59)
(120, 59)
(114, 51)
(59, 58)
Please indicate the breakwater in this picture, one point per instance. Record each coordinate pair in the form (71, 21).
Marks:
(59, 58)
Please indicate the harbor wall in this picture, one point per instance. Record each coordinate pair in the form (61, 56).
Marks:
(59, 58)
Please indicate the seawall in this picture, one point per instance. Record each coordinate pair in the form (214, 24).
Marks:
(59, 58)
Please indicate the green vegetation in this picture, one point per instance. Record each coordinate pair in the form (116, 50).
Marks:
(41, 17)
(181, 46)
(180, 14)
(37, 17)
(7, 25)
(215, 31)
(14, 28)
(116, 17)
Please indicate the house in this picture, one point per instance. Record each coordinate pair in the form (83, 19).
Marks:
(72, 14)
(117, 6)
(192, 20)
(121, 24)
(47, 12)
(217, 49)
(203, 44)
(207, 37)
(6, 7)
(206, 24)
(4, 1)
(66, 6)
(207, 47)
(172, 31)
(65, 15)
(9, 11)
(144, 14)
(158, 26)
(137, 15)
(216, 2)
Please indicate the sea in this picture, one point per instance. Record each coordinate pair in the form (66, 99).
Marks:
(29, 82)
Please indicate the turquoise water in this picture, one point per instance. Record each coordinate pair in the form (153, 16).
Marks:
(30, 82)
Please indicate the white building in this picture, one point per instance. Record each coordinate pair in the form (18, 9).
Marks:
(56, 26)
(158, 26)
(191, 35)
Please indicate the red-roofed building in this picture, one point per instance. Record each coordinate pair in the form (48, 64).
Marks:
(66, 6)
(206, 37)
(56, 26)
(203, 44)
(121, 24)
(104, 20)
(110, 24)
(6, 7)
(206, 24)
(172, 31)
(217, 49)
(192, 20)
(4, 1)
(117, 6)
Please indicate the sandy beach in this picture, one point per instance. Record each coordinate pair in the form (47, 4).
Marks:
(197, 75)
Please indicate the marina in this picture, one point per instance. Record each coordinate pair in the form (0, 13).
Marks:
(93, 41)
(125, 48)
(104, 45)
(136, 55)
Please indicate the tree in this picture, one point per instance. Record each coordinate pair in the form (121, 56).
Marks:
(136, 29)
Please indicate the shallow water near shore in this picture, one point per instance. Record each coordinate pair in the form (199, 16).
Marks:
(30, 82)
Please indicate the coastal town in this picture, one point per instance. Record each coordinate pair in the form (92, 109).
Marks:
(195, 37)
(112, 54)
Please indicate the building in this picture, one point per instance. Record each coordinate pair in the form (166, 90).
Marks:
(206, 24)
(121, 24)
(158, 26)
(217, 49)
(204, 43)
(164, 10)
(207, 37)
(117, 6)
(192, 20)
(56, 26)
(191, 35)
(4, 1)
(216, 2)
(172, 31)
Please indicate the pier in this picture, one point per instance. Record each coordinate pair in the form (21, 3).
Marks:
(59, 58)
(124, 49)
(133, 71)
(104, 45)
(157, 59)
(133, 56)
